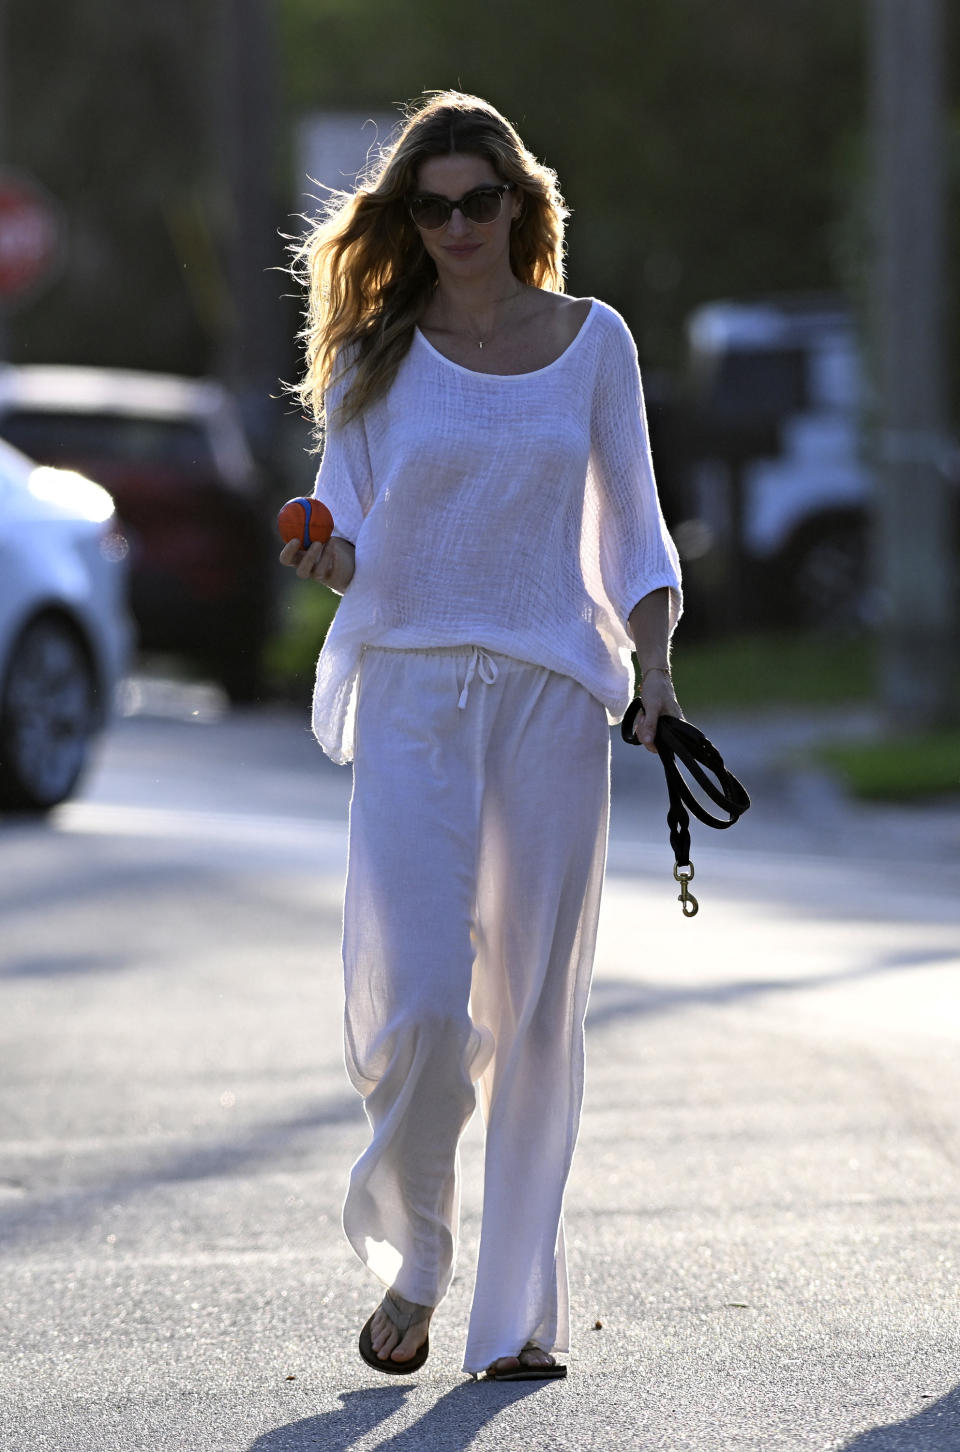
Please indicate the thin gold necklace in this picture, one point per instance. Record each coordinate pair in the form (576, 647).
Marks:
(510, 297)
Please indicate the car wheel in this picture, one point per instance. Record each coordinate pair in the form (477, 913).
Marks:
(47, 716)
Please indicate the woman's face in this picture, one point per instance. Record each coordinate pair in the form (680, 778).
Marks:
(461, 248)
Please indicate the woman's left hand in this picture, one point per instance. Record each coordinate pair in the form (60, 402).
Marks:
(649, 625)
(659, 699)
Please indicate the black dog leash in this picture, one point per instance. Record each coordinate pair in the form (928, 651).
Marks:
(678, 740)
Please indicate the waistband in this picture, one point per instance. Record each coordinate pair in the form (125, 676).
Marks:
(480, 664)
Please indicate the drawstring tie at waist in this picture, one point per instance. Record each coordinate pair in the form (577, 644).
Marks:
(480, 664)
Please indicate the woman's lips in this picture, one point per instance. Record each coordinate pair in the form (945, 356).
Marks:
(463, 250)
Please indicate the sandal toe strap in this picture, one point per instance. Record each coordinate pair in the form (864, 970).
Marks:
(403, 1313)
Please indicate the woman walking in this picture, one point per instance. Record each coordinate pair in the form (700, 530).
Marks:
(499, 547)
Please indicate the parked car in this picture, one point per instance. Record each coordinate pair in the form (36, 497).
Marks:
(65, 631)
(778, 482)
(173, 453)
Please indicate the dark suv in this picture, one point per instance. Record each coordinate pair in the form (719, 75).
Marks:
(173, 453)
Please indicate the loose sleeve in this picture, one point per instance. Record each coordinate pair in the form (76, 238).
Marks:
(344, 481)
(636, 553)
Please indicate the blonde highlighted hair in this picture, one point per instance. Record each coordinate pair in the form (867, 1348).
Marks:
(367, 274)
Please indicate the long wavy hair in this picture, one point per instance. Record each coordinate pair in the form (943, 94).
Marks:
(367, 273)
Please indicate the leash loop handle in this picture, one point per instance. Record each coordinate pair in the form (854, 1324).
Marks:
(679, 740)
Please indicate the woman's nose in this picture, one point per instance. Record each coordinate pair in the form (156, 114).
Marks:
(458, 223)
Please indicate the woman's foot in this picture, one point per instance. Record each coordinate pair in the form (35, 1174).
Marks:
(530, 1363)
(396, 1337)
(390, 1342)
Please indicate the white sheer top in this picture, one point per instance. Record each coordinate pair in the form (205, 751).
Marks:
(516, 513)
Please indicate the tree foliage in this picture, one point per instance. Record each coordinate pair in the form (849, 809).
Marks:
(706, 147)
(702, 146)
(107, 105)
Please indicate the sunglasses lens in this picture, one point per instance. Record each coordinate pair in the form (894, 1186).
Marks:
(482, 206)
(429, 212)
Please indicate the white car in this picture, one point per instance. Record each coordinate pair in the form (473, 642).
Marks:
(65, 633)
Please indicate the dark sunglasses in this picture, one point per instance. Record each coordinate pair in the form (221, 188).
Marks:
(483, 205)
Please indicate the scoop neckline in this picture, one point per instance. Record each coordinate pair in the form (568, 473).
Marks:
(531, 372)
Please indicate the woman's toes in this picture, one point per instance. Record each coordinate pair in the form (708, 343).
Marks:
(383, 1335)
(387, 1341)
(410, 1344)
(503, 1364)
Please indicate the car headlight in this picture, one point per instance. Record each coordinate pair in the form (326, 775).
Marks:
(72, 492)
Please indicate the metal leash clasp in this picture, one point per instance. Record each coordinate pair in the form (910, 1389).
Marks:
(686, 899)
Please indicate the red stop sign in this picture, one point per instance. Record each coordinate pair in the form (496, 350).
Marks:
(29, 235)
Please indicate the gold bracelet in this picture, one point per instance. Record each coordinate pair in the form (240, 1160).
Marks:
(664, 670)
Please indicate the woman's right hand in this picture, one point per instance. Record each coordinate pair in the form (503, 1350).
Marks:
(332, 563)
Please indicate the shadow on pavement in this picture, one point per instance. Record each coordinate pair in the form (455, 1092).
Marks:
(269, 1143)
(614, 998)
(359, 1413)
(74, 1208)
(452, 1423)
(59, 965)
(84, 881)
(934, 1429)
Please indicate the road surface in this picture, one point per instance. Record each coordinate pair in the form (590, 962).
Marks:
(763, 1216)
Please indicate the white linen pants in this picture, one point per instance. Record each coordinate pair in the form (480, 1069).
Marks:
(478, 830)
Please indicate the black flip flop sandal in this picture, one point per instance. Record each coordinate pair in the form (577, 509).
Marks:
(396, 1309)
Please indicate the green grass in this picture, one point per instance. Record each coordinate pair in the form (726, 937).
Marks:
(768, 670)
(901, 768)
(291, 655)
(745, 672)
(761, 671)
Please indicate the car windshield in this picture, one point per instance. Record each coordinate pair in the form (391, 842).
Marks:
(54, 436)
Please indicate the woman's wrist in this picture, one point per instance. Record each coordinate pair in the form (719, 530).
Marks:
(652, 669)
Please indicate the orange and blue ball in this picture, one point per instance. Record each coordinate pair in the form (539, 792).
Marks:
(306, 520)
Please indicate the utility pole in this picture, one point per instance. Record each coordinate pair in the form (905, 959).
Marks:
(914, 535)
(245, 86)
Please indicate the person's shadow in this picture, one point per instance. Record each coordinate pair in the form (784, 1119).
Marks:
(935, 1428)
(451, 1423)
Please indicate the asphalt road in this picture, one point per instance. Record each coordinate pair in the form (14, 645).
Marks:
(763, 1214)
